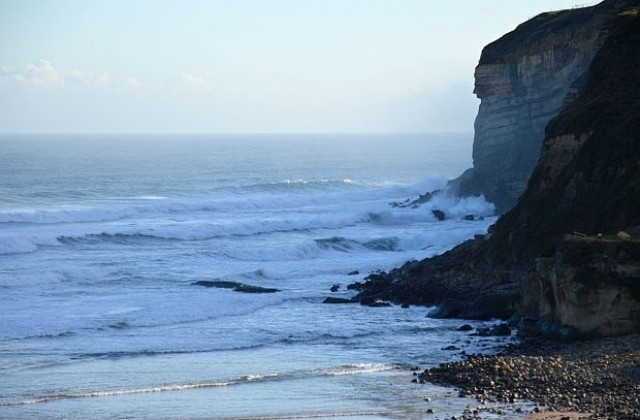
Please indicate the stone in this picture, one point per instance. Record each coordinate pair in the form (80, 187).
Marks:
(378, 304)
(465, 327)
(355, 286)
(335, 288)
(494, 304)
(438, 214)
(236, 286)
(336, 300)
(499, 330)
(246, 288)
(450, 308)
(220, 284)
(623, 236)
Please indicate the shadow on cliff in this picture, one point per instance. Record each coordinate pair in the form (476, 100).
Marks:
(566, 256)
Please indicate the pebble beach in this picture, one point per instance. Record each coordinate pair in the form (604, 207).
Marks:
(588, 379)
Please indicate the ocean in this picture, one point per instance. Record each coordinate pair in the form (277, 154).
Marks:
(102, 238)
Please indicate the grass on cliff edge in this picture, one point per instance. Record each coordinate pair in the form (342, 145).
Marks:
(631, 12)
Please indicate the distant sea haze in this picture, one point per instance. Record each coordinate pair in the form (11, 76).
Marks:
(103, 237)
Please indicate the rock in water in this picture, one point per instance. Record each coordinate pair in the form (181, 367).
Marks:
(236, 286)
(438, 214)
(336, 300)
(500, 330)
(246, 288)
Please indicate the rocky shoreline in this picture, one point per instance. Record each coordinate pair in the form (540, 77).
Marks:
(594, 379)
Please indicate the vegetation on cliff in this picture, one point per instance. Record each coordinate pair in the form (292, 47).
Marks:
(587, 181)
(523, 80)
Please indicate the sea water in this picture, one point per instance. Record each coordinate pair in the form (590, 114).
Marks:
(102, 238)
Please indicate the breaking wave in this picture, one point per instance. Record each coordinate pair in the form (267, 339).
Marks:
(343, 370)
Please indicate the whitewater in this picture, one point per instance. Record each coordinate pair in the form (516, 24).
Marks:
(102, 238)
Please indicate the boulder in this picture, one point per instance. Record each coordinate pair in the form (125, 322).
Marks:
(236, 286)
(438, 214)
(500, 330)
(450, 308)
(336, 300)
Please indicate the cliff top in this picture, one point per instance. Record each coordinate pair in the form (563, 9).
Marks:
(549, 24)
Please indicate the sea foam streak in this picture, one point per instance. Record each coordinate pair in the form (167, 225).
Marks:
(198, 227)
(254, 197)
(354, 369)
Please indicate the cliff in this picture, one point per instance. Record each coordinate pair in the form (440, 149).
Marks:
(523, 80)
(567, 256)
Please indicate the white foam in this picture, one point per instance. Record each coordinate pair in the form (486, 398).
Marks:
(274, 197)
(21, 243)
(258, 377)
(456, 207)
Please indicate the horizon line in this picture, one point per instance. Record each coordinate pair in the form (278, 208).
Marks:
(150, 133)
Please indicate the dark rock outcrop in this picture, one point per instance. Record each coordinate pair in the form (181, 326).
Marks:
(236, 286)
(439, 214)
(337, 300)
(587, 180)
(523, 80)
(463, 278)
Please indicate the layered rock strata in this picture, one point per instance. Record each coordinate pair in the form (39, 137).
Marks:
(567, 256)
(523, 80)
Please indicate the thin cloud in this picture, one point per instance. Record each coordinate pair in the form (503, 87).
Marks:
(87, 79)
(190, 82)
(132, 82)
(40, 73)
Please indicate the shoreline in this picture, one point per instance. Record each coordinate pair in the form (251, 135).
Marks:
(586, 379)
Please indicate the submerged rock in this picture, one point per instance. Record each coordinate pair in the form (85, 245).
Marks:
(438, 214)
(337, 300)
(236, 286)
(423, 198)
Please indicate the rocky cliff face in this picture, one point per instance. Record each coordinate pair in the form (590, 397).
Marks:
(588, 181)
(586, 185)
(523, 80)
(590, 287)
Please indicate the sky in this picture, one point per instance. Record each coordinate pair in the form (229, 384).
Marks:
(246, 66)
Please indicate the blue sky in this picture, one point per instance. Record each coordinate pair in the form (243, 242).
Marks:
(225, 66)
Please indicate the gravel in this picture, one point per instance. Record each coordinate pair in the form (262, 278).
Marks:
(600, 377)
